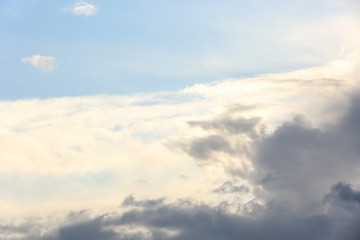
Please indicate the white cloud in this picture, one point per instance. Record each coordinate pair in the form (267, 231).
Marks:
(83, 8)
(43, 63)
(113, 125)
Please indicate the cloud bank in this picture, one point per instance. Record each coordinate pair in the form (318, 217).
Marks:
(302, 198)
(270, 157)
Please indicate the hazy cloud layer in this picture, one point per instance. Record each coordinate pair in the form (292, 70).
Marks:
(43, 63)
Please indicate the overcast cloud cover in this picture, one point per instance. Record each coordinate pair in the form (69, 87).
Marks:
(257, 154)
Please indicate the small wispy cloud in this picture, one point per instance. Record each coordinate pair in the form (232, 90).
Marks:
(84, 8)
(43, 63)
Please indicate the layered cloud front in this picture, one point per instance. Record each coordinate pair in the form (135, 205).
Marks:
(270, 157)
(43, 63)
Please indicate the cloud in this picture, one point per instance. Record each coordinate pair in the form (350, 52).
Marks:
(228, 124)
(221, 132)
(345, 192)
(43, 63)
(295, 159)
(344, 196)
(91, 230)
(157, 136)
(305, 164)
(231, 187)
(261, 157)
(301, 160)
(131, 201)
(187, 220)
(204, 148)
(84, 8)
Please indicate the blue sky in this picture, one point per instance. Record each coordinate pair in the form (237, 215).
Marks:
(153, 120)
(142, 46)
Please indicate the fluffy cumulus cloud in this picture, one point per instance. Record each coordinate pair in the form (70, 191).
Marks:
(270, 157)
(43, 63)
(84, 8)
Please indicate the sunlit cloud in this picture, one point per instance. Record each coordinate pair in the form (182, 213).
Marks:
(207, 121)
(226, 137)
(84, 8)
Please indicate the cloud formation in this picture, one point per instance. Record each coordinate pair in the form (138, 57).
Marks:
(254, 167)
(43, 63)
(188, 221)
(84, 8)
(345, 192)
(296, 202)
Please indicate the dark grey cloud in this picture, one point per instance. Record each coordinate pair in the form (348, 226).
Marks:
(344, 201)
(229, 125)
(21, 229)
(205, 147)
(343, 196)
(298, 160)
(297, 164)
(201, 222)
(295, 160)
(185, 220)
(231, 186)
(91, 230)
(345, 193)
(131, 201)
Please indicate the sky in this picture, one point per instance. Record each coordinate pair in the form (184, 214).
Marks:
(154, 120)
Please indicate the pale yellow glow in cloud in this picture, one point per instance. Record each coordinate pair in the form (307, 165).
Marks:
(43, 135)
(137, 140)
